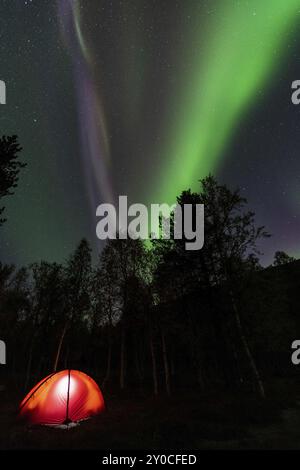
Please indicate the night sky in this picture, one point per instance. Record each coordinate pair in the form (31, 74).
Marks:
(143, 98)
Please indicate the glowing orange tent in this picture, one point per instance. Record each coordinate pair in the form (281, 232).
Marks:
(61, 398)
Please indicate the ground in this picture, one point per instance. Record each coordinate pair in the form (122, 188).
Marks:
(190, 420)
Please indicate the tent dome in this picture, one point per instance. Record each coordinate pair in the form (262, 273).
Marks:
(62, 397)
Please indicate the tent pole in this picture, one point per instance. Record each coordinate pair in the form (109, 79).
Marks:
(68, 396)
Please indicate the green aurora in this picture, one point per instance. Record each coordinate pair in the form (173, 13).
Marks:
(233, 60)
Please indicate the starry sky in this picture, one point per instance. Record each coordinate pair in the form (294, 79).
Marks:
(143, 98)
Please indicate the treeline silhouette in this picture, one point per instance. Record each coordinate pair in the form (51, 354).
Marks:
(155, 317)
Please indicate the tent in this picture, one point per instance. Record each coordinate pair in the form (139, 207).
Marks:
(61, 398)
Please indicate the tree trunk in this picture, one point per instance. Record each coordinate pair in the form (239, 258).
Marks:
(166, 363)
(195, 349)
(254, 370)
(154, 366)
(28, 369)
(123, 360)
(172, 366)
(200, 379)
(60, 346)
(137, 363)
(108, 364)
(29, 362)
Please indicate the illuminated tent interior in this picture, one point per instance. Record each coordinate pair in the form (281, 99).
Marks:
(62, 398)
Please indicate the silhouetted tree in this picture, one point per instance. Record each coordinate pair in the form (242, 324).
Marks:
(106, 295)
(232, 240)
(47, 306)
(125, 261)
(77, 285)
(10, 167)
(281, 257)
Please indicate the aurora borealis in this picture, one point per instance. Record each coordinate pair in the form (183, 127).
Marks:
(143, 98)
(241, 49)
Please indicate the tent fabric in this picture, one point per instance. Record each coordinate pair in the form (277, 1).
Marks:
(62, 397)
